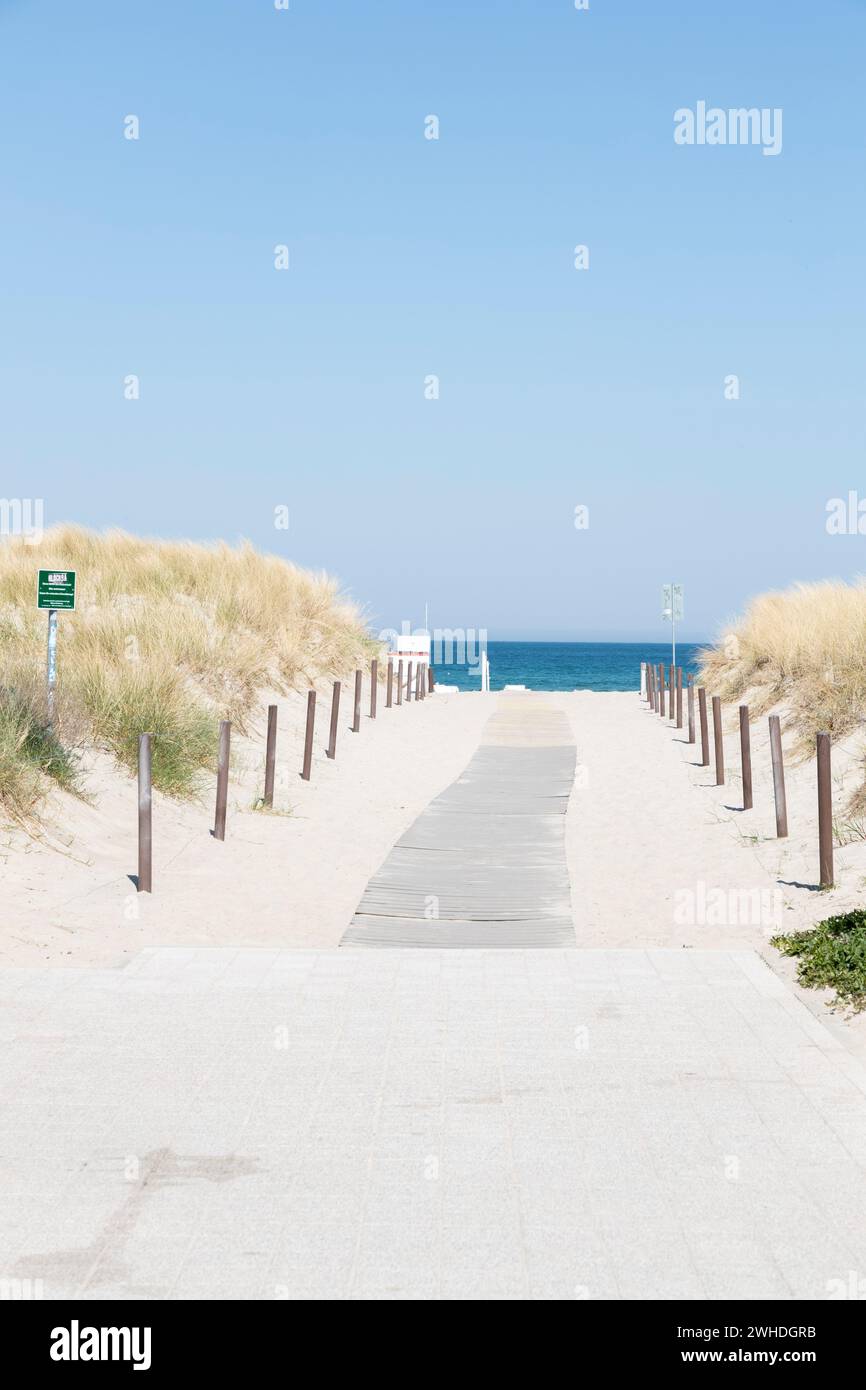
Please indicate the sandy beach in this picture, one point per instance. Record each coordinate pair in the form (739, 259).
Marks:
(292, 877)
(658, 856)
(650, 835)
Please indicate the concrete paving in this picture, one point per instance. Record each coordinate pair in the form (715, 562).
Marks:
(430, 1124)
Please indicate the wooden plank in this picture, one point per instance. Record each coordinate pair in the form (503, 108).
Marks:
(484, 864)
(391, 932)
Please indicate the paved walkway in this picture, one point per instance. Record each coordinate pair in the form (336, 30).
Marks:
(427, 1124)
(484, 864)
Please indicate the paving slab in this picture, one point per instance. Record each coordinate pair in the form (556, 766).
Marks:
(396, 1124)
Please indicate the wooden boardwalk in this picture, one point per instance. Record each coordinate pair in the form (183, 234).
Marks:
(484, 865)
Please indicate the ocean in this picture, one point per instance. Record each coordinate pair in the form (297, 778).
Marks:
(565, 665)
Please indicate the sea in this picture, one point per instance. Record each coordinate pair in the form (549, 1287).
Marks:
(564, 665)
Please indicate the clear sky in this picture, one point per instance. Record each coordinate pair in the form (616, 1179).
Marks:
(411, 257)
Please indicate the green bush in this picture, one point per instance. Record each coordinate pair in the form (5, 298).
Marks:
(832, 955)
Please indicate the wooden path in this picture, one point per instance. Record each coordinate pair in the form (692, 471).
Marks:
(484, 865)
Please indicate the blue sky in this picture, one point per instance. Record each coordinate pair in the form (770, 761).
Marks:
(411, 257)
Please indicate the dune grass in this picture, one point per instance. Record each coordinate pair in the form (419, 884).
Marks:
(167, 637)
(832, 955)
(804, 648)
(29, 750)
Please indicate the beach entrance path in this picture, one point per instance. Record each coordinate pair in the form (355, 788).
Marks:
(484, 864)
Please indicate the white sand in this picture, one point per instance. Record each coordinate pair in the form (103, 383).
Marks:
(658, 855)
(282, 879)
(650, 828)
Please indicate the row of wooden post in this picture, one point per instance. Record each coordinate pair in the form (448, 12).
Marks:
(424, 684)
(654, 692)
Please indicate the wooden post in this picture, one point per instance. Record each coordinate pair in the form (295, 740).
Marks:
(679, 697)
(308, 736)
(145, 809)
(717, 739)
(374, 686)
(418, 681)
(661, 690)
(399, 682)
(390, 686)
(431, 682)
(654, 702)
(672, 681)
(778, 776)
(825, 811)
(409, 684)
(691, 710)
(222, 795)
(356, 710)
(331, 751)
(746, 757)
(705, 737)
(270, 756)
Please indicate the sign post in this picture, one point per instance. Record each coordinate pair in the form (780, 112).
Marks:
(55, 590)
(672, 609)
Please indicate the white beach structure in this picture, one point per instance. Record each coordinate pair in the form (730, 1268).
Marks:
(414, 648)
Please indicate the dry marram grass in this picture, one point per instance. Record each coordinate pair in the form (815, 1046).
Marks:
(167, 636)
(804, 649)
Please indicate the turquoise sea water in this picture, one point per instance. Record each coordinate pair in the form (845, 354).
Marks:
(565, 665)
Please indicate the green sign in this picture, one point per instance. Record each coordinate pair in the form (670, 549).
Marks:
(56, 589)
